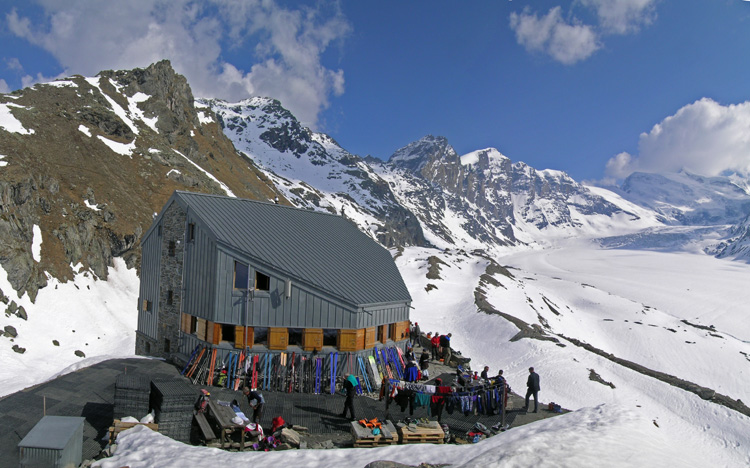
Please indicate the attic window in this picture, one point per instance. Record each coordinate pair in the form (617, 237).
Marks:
(171, 249)
(191, 232)
(241, 275)
(262, 282)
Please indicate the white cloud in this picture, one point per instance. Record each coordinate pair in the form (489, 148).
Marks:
(622, 16)
(87, 36)
(14, 64)
(28, 80)
(569, 40)
(704, 137)
(4, 88)
(566, 42)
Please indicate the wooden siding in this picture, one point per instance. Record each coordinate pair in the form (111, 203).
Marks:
(278, 338)
(312, 339)
(352, 340)
(149, 287)
(370, 336)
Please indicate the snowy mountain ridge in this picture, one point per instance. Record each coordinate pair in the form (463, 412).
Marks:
(534, 267)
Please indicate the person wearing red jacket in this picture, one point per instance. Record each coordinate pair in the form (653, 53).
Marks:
(435, 341)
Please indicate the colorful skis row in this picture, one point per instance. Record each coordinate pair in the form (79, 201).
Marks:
(292, 372)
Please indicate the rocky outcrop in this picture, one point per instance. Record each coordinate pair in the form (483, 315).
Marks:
(105, 154)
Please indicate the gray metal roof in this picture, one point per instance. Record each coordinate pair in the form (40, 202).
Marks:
(52, 432)
(323, 250)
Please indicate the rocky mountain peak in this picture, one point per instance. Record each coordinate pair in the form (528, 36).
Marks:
(425, 151)
(89, 160)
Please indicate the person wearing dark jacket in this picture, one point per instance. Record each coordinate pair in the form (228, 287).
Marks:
(350, 392)
(485, 373)
(445, 343)
(424, 360)
(414, 334)
(532, 383)
(256, 402)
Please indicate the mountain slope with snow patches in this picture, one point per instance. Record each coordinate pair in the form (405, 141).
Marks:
(532, 268)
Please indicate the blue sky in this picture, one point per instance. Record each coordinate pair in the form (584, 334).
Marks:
(597, 88)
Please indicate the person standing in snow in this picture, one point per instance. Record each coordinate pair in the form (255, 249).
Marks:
(533, 389)
(350, 392)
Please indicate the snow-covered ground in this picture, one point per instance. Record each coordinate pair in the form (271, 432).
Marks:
(628, 303)
(606, 435)
(97, 318)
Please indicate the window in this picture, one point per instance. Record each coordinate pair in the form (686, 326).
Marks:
(241, 275)
(170, 297)
(158, 230)
(227, 333)
(329, 337)
(295, 337)
(166, 345)
(391, 331)
(381, 338)
(193, 324)
(171, 249)
(147, 306)
(261, 336)
(262, 282)
(191, 232)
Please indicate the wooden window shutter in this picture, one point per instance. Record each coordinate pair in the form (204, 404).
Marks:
(185, 323)
(213, 332)
(239, 336)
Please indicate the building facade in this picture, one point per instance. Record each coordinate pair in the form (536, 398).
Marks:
(236, 274)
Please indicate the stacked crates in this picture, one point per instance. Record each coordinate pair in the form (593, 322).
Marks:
(173, 403)
(132, 395)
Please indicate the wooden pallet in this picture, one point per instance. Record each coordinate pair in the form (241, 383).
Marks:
(119, 426)
(363, 437)
(431, 434)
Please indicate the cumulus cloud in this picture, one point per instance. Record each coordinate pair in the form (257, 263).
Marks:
(567, 39)
(87, 36)
(704, 138)
(14, 64)
(622, 16)
(566, 42)
(4, 88)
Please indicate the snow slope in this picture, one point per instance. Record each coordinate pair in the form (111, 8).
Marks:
(606, 435)
(629, 304)
(95, 317)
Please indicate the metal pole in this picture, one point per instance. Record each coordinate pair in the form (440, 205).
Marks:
(502, 402)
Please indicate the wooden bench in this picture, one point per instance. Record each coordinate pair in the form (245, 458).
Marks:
(205, 427)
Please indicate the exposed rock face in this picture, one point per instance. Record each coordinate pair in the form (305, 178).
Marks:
(96, 159)
(313, 171)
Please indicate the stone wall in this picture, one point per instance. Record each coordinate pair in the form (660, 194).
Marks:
(170, 280)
